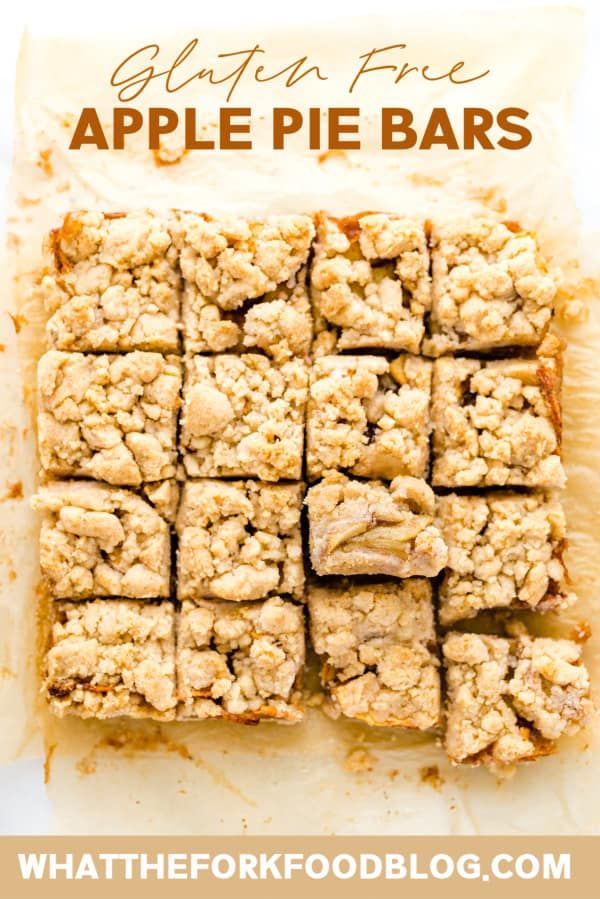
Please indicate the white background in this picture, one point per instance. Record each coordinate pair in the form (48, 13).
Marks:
(23, 805)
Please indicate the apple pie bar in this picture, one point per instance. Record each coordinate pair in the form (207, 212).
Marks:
(243, 416)
(368, 416)
(509, 699)
(112, 657)
(245, 284)
(112, 418)
(239, 540)
(498, 423)
(505, 551)
(376, 641)
(115, 285)
(490, 287)
(240, 661)
(98, 541)
(370, 283)
(368, 527)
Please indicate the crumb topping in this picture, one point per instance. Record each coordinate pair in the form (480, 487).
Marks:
(164, 496)
(368, 416)
(504, 552)
(97, 540)
(110, 658)
(507, 697)
(498, 423)
(243, 662)
(375, 640)
(115, 286)
(244, 416)
(490, 287)
(246, 283)
(112, 418)
(370, 283)
(239, 540)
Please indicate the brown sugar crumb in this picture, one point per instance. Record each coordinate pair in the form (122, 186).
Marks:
(164, 496)
(359, 527)
(244, 416)
(497, 423)
(245, 284)
(239, 540)
(18, 321)
(490, 287)
(14, 490)
(97, 540)
(582, 632)
(376, 642)
(116, 284)
(431, 776)
(242, 662)
(359, 761)
(368, 416)
(112, 418)
(504, 552)
(44, 162)
(112, 657)
(510, 699)
(370, 283)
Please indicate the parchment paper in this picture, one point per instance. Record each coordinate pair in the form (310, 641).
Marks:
(321, 777)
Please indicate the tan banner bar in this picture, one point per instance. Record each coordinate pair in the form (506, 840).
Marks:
(265, 867)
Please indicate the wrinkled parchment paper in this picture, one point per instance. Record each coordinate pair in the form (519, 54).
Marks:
(320, 777)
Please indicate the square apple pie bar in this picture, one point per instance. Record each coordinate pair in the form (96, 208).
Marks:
(368, 416)
(116, 284)
(112, 657)
(239, 540)
(240, 661)
(245, 284)
(112, 418)
(504, 552)
(243, 416)
(370, 283)
(490, 286)
(376, 641)
(509, 699)
(498, 423)
(98, 541)
(367, 527)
